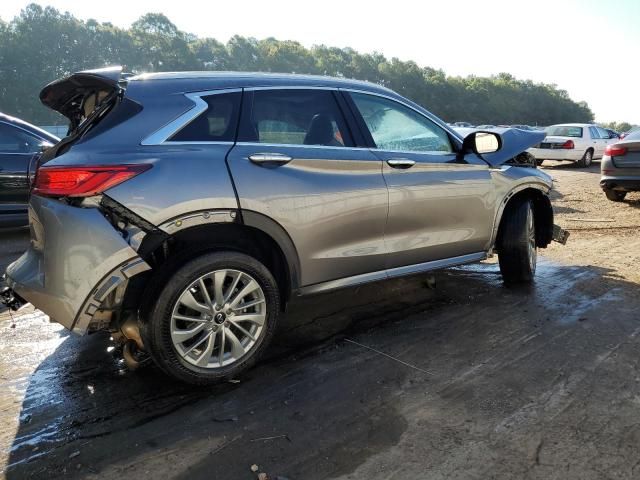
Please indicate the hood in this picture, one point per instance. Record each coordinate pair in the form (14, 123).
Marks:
(514, 141)
(65, 95)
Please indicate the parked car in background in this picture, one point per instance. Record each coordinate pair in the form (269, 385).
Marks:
(485, 127)
(620, 167)
(461, 124)
(624, 134)
(523, 127)
(612, 133)
(20, 142)
(193, 206)
(575, 142)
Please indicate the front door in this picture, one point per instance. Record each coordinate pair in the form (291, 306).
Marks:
(295, 162)
(439, 206)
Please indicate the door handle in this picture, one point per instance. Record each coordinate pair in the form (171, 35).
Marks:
(269, 159)
(401, 163)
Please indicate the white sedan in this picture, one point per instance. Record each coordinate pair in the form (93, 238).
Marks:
(575, 142)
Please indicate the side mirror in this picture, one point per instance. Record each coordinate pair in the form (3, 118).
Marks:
(482, 142)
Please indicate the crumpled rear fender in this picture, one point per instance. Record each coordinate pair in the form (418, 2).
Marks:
(75, 259)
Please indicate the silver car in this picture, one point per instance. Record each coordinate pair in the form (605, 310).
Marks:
(186, 210)
(620, 167)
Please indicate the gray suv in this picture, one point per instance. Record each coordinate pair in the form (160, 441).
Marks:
(185, 210)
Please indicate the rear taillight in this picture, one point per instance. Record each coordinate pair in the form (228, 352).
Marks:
(82, 181)
(568, 145)
(615, 151)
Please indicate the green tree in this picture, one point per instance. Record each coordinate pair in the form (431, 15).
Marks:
(43, 44)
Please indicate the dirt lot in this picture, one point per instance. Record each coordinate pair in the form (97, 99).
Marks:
(480, 381)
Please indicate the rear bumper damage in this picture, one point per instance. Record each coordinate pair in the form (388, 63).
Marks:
(71, 270)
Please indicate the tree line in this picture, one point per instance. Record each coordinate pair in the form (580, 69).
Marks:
(43, 44)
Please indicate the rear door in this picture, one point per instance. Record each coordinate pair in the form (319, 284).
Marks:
(597, 142)
(439, 205)
(605, 138)
(296, 162)
(17, 148)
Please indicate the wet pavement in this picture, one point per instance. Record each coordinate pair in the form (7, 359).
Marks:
(397, 380)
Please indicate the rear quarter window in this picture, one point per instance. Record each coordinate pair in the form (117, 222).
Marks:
(217, 124)
(565, 131)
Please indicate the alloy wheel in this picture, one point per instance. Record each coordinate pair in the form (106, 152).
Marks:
(531, 241)
(218, 319)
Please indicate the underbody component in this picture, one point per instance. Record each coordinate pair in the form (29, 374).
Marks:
(560, 235)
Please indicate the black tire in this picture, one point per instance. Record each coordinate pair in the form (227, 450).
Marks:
(586, 159)
(171, 284)
(517, 252)
(615, 196)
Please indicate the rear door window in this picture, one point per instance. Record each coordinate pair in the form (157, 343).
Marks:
(594, 133)
(15, 140)
(295, 117)
(217, 124)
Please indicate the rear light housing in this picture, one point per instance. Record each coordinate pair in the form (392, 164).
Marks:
(615, 151)
(82, 181)
(568, 145)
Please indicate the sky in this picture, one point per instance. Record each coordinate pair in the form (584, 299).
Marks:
(589, 48)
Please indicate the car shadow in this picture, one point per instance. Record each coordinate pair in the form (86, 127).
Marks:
(552, 165)
(632, 200)
(84, 414)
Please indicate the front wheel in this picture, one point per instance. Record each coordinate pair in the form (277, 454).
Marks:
(213, 317)
(615, 196)
(517, 252)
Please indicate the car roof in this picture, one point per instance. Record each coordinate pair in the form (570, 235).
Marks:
(28, 126)
(574, 125)
(214, 80)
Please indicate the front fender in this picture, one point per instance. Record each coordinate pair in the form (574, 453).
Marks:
(512, 182)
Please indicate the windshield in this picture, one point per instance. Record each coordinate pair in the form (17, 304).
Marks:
(564, 131)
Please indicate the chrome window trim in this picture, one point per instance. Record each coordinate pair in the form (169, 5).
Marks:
(162, 135)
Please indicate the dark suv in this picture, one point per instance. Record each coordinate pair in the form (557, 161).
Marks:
(20, 143)
(185, 210)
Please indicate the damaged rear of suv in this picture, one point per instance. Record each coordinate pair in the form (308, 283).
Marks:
(184, 210)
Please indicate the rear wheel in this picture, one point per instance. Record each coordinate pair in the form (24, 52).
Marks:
(517, 252)
(213, 318)
(615, 196)
(586, 159)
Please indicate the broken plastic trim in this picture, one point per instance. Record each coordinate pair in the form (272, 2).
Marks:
(119, 213)
(560, 235)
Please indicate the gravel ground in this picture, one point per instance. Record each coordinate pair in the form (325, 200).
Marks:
(395, 380)
(603, 232)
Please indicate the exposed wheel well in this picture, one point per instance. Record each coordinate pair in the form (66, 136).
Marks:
(543, 215)
(193, 242)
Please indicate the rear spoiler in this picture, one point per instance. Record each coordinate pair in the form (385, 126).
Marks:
(65, 95)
